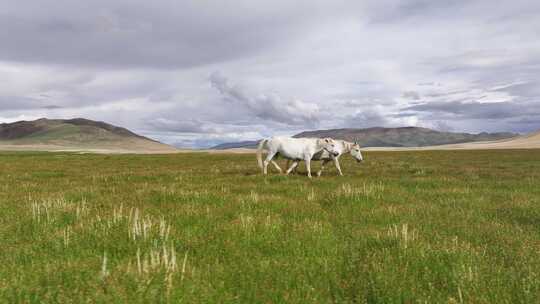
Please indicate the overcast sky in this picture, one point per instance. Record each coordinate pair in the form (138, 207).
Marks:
(197, 73)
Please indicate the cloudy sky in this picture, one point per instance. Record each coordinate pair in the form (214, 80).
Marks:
(197, 73)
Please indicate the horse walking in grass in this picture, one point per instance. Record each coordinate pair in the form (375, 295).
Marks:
(341, 147)
(295, 149)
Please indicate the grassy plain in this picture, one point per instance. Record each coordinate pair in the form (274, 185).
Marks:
(402, 227)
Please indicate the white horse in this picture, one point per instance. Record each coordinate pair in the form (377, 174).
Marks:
(342, 147)
(296, 149)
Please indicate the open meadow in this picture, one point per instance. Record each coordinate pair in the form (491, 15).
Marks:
(401, 227)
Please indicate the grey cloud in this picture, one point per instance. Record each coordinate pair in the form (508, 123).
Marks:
(526, 89)
(428, 84)
(525, 124)
(353, 103)
(476, 110)
(395, 11)
(267, 106)
(9, 103)
(367, 119)
(489, 67)
(404, 114)
(182, 126)
(441, 94)
(411, 95)
(443, 126)
(51, 107)
(366, 93)
(156, 34)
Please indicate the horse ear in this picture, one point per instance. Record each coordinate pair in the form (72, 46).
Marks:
(326, 140)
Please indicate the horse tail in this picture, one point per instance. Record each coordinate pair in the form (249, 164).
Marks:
(259, 152)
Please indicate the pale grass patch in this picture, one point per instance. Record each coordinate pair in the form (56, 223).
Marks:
(254, 196)
(190, 209)
(418, 171)
(403, 234)
(458, 190)
(82, 210)
(520, 200)
(224, 189)
(171, 189)
(391, 209)
(184, 266)
(373, 190)
(104, 271)
(118, 214)
(192, 195)
(468, 273)
(272, 222)
(157, 259)
(99, 178)
(246, 221)
(47, 211)
(530, 180)
(143, 227)
(456, 245)
(138, 226)
(311, 225)
(161, 257)
(311, 196)
(66, 234)
(250, 223)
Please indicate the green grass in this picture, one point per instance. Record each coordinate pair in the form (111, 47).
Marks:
(402, 227)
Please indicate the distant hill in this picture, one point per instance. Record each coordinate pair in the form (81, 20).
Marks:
(74, 134)
(251, 144)
(391, 137)
(404, 137)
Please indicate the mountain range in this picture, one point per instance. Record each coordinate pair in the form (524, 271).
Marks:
(389, 137)
(81, 134)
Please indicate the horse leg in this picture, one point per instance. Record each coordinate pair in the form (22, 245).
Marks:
(294, 164)
(322, 167)
(308, 166)
(269, 157)
(293, 167)
(277, 166)
(336, 162)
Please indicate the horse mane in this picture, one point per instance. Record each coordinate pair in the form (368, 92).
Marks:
(348, 146)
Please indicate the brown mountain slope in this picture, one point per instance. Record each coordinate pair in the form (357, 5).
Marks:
(77, 134)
